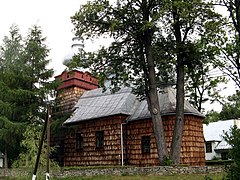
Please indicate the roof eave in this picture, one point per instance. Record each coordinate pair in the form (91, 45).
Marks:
(89, 119)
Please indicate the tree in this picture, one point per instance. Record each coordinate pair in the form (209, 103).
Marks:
(185, 22)
(229, 61)
(231, 109)
(35, 58)
(10, 82)
(132, 25)
(23, 87)
(211, 116)
(139, 28)
(30, 146)
(233, 139)
(201, 83)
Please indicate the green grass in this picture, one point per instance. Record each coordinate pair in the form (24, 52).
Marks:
(109, 177)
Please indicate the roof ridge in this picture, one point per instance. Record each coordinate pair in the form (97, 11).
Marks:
(102, 94)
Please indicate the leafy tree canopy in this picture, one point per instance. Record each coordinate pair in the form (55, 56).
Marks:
(150, 38)
(230, 110)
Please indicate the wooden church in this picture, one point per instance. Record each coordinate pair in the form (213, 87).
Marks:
(116, 129)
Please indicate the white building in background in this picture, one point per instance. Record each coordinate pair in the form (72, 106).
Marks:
(215, 146)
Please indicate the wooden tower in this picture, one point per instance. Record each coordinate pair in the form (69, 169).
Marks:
(73, 85)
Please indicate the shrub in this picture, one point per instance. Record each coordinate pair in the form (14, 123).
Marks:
(233, 139)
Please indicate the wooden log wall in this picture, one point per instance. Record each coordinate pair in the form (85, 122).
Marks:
(192, 151)
(89, 155)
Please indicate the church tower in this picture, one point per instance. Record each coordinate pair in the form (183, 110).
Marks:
(74, 83)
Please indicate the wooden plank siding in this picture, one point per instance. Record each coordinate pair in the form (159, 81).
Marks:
(89, 155)
(192, 152)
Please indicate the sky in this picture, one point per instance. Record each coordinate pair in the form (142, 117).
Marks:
(53, 16)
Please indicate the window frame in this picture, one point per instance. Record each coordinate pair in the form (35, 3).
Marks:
(99, 135)
(79, 141)
(146, 144)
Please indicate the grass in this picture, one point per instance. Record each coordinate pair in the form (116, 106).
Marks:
(150, 177)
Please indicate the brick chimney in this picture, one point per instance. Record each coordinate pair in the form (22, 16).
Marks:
(73, 85)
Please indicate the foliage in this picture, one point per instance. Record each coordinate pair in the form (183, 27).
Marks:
(233, 139)
(129, 60)
(230, 110)
(211, 116)
(29, 145)
(24, 86)
(202, 85)
(150, 40)
(229, 61)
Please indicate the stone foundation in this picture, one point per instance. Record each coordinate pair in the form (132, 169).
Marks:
(120, 171)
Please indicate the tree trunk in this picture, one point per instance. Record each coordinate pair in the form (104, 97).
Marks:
(179, 121)
(154, 105)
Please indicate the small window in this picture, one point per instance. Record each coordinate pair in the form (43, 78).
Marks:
(62, 147)
(79, 141)
(208, 147)
(99, 139)
(146, 144)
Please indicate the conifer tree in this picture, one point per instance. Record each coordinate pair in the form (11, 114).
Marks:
(23, 87)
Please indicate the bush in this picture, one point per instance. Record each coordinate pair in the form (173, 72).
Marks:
(233, 139)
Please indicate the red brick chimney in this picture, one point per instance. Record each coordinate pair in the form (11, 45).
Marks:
(74, 84)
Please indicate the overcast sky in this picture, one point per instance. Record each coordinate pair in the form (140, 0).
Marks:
(52, 15)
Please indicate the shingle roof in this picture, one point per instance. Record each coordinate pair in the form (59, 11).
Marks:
(97, 104)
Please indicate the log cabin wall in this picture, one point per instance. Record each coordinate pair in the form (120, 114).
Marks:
(192, 151)
(89, 154)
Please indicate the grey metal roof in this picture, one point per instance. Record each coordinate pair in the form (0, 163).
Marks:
(167, 99)
(97, 104)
